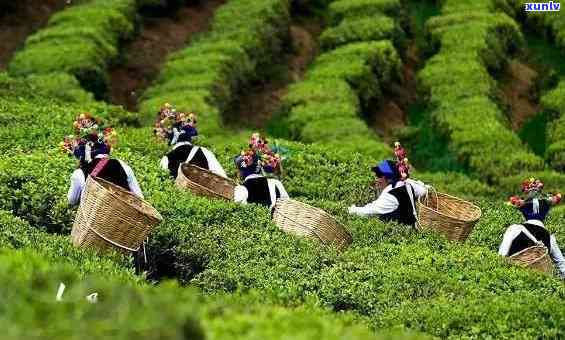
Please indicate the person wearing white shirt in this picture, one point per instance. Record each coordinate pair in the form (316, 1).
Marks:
(115, 171)
(397, 201)
(256, 187)
(519, 237)
(183, 151)
(91, 146)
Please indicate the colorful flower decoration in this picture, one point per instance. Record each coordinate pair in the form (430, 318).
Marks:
(169, 119)
(532, 185)
(259, 143)
(533, 188)
(260, 155)
(88, 130)
(401, 161)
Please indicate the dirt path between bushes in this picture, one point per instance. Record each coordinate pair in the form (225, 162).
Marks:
(144, 56)
(258, 103)
(517, 91)
(20, 19)
(393, 113)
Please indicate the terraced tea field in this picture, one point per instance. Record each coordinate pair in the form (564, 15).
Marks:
(473, 89)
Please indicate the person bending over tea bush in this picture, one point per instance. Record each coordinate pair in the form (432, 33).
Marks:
(255, 165)
(179, 128)
(91, 145)
(399, 193)
(535, 207)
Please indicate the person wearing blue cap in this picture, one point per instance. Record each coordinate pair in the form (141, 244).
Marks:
(397, 201)
(535, 208)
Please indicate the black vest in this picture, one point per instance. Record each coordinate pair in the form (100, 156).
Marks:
(404, 214)
(112, 172)
(258, 191)
(179, 155)
(522, 241)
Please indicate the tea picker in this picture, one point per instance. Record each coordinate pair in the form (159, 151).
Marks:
(255, 166)
(91, 145)
(530, 242)
(179, 130)
(397, 201)
(112, 213)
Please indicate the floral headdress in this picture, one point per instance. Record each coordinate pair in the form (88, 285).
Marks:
(175, 126)
(533, 189)
(260, 157)
(90, 136)
(401, 161)
(166, 118)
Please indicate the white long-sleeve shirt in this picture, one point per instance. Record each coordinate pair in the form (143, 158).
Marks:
(241, 193)
(213, 164)
(513, 231)
(78, 184)
(387, 203)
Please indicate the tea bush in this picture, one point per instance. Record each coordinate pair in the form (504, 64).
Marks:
(471, 39)
(80, 40)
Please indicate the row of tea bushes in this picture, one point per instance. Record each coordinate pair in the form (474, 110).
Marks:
(551, 25)
(206, 77)
(43, 115)
(554, 101)
(359, 59)
(356, 21)
(472, 39)
(16, 233)
(81, 40)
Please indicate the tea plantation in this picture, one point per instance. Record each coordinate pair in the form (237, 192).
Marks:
(220, 270)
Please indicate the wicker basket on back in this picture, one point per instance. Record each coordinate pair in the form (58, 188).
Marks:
(536, 257)
(202, 182)
(110, 217)
(301, 219)
(450, 216)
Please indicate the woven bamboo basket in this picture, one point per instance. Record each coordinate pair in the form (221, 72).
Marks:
(448, 215)
(303, 220)
(202, 182)
(110, 217)
(536, 257)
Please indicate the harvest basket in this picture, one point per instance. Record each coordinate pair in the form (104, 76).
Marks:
(202, 182)
(448, 215)
(535, 257)
(110, 217)
(301, 219)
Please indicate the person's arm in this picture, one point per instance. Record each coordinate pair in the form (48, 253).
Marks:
(75, 190)
(386, 203)
(420, 189)
(164, 163)
(213, 163)
(511, 233)
(132, 181)
(282, 190)
(240, 194)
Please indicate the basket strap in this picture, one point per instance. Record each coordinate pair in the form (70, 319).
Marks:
(113, 242)
(99, 167)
